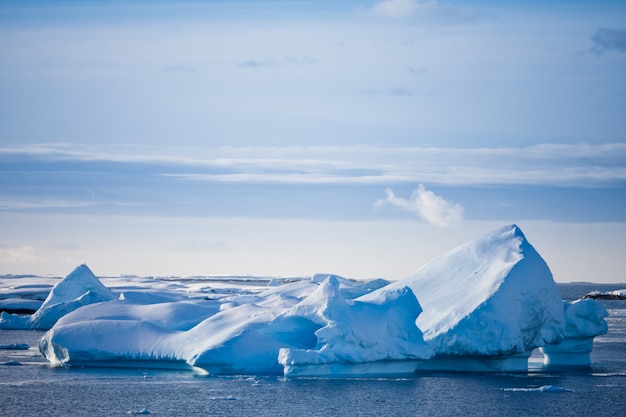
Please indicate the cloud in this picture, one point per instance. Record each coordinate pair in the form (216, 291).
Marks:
(428, 9)
(609, 40)
(277, 62)
(178, 69)
(579, 165)
(19, 254)
(398, 9)
(426, 205)
(401, 92)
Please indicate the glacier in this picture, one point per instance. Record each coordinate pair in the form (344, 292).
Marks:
(483, 306)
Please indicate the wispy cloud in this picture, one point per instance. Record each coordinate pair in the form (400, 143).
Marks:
(179, 69)
(19, 254)
(277, 62)
(579, 165)
(426, 205)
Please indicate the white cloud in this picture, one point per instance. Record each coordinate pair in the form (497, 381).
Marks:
(398, 9)
(426, 205)
(579, 165)
(425, 10)
(18, 254)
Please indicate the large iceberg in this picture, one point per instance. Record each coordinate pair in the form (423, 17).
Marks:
(81, 287)
(487, 304)
(483, 306)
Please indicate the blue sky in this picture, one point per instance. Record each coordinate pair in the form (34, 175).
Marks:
(289, 138)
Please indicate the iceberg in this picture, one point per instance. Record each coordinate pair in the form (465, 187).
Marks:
(302, 324)
(483, 306)
(81, 287)
(487, 304)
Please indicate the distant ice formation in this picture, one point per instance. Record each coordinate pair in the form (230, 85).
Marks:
(483, 306)
(81, 287)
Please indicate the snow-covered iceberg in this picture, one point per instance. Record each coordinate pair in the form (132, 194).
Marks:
(487, 304)
(81, 287)
(483, 306)
(308, 322)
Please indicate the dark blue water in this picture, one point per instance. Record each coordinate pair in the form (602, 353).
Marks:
(31, 388)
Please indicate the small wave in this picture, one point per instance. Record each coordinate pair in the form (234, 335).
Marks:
(609, 374)
(142, 411)
(543, 388)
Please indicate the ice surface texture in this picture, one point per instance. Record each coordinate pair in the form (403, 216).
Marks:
(493, 299)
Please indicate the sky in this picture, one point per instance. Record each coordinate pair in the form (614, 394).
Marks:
(287, 138)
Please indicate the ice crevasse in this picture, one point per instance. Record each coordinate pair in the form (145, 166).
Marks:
(482, 306)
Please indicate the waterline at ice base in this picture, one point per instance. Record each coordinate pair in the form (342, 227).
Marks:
(484, 306)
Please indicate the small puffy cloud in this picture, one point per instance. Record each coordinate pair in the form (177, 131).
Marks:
(426, 205)
(609, 40)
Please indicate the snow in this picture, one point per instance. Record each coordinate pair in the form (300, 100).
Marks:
(483, 306)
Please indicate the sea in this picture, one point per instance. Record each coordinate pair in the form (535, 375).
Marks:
(29, 387)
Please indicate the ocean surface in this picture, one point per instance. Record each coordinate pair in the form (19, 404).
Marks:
(29, 387)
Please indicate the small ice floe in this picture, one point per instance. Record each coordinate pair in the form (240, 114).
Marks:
(15, 346)
(226, 398)
(543, 388)
(610, 295)
(12, 363)
(139, 412)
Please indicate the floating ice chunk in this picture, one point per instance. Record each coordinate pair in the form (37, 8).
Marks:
(81, 287)
(15, 346)
(139, 412)
(543, 388)
(584, 319)
(611, 295)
